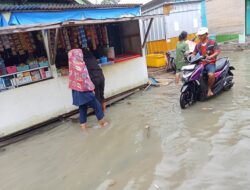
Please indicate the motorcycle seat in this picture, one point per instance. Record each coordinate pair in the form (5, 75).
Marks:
(220, 64)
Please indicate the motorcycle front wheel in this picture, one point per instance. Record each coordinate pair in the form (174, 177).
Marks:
(186, 99)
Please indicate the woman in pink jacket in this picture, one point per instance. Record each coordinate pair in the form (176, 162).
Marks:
(82, 88)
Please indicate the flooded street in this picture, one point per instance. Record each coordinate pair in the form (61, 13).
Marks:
(150, 144)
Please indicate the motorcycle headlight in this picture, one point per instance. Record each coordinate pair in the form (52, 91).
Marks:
(186, 75)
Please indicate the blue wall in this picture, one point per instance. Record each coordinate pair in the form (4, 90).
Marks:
(203, 14)
(248, 17)
(2, 21)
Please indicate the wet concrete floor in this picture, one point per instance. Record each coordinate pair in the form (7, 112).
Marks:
(150, 144)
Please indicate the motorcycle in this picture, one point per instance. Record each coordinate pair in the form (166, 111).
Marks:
(171, 61)
(196, 80)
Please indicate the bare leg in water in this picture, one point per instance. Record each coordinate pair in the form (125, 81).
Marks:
(211, 79)
(103, 106)
(177, 78)
(103, 123)
(84, 126)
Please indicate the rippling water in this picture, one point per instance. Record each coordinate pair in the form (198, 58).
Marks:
(207, 146)
(150, 144)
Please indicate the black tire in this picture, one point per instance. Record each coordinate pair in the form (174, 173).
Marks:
(228, 87)
(183, 101)
(186, 99)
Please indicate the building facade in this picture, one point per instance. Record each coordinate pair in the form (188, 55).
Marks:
(226, 16)
(34, 41)
(179, 15)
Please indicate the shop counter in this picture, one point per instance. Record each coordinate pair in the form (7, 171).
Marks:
(120, 59)
(125, 57)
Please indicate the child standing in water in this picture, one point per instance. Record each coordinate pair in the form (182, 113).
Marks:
(82, 88)
(181, 49)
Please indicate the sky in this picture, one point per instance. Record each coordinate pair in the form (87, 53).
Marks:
(125, 1)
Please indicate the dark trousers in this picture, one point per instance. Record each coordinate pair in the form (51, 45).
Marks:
(99, 88)
(93, 104)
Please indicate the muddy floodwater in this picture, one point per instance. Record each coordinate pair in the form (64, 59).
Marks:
(149, 144)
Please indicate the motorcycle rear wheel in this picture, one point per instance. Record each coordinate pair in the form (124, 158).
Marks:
(228, 87)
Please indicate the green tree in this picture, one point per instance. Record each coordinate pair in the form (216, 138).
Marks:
(110, 1)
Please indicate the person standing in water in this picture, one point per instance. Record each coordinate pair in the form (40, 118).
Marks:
(181, 49)
(96, 76)
(82, 88)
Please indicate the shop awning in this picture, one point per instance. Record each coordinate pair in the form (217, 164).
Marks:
(33, 27)
(3, 21)
(24, 18)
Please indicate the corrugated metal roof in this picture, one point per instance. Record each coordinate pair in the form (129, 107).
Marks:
(155, 3)
(51, 7)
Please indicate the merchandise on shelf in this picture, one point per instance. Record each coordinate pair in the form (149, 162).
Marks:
(44, 63)
(21, 57)
(60, 41)
(63, 71)
(52, 35)
(5, 41)
(66, 38)
(22, 67)
(2, 85)
(8, 81)
(1, 45)
(11, 69)
(35, 75)
(23, 78)
(13, 46)
(33, 65)
(43, 74)
(48, 74)
(2, 67)
(83, 38)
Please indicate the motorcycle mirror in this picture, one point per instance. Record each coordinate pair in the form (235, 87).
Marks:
(190, 58)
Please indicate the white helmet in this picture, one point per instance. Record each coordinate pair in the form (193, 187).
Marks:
(202, 30)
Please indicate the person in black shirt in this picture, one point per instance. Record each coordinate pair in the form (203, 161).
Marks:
(96, 76)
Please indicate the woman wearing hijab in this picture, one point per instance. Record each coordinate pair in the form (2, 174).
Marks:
(96, 76)
(82, 88)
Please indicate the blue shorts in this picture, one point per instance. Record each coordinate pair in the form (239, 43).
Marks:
(210, 68)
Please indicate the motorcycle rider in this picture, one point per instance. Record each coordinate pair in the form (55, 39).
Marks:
(214, 51)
